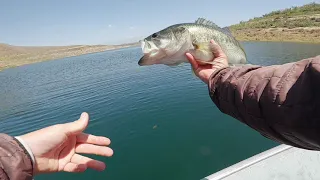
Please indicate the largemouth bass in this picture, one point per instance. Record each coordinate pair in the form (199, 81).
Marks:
(169, 46)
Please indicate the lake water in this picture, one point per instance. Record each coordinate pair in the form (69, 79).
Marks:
(161, 121)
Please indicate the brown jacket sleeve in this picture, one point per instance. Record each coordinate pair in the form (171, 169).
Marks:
(15, 162)
(282, 102)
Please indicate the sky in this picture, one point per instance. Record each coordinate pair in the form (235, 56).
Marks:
(70, 22)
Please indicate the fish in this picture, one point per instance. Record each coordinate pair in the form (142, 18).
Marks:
(169, 46)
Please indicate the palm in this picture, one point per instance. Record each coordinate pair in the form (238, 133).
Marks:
(57, 148)
(67, 152)
(68, 159)
(203, 71)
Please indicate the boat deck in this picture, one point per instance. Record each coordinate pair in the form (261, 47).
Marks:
(280, 163)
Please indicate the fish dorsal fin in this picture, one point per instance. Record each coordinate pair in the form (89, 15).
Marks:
(207, 23)
(212, 24)
(227, 30)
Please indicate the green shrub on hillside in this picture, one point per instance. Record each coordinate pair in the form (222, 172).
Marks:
(312, 8)
(304, 16)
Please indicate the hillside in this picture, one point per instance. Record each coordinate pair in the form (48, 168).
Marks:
(299, 24)
(12, 56)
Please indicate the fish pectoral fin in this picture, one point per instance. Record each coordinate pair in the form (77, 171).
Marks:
(201, 46)
(195, 45)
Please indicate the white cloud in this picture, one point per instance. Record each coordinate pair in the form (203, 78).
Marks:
(110, 25)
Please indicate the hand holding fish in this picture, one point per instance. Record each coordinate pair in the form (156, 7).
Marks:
(204, 71)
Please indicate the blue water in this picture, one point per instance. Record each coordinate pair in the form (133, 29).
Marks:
(161, 121)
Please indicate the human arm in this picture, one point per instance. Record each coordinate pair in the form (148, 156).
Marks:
(53, 149)
(15, 162)
(282, 102)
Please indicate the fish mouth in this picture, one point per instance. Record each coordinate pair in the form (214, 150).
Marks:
(147, 58)
(145, 46)
(141, 62)
(144, 61)
(151, 53)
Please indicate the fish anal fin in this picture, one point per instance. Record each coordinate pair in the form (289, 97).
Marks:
(173, 65)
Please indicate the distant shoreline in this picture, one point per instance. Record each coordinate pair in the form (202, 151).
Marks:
(298, 35)
(41, 54)
(14, 56)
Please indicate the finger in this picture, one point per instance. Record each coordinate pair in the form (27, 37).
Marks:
(192, 61)
(74, 167)
(88, 162)
(216, 49)
(78, 125)
(93, 149)
(91, 139)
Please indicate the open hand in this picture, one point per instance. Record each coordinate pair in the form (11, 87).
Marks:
(204, 71)
(56, 147)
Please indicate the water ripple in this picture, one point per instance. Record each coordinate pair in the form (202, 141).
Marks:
(143, 109)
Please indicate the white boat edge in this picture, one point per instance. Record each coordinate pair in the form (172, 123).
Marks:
(223, 174)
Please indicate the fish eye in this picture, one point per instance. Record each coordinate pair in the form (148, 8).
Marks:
(154, 35)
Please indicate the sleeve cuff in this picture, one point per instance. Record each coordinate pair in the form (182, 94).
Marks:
(27, 148)
(211, 83)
